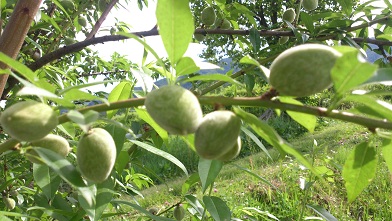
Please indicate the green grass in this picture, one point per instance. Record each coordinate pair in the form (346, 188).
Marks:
(288, 201)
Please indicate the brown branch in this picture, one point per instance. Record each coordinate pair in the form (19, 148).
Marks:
(101, 19)
(15, 32)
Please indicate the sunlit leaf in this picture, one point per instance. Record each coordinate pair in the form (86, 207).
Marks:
(208, 171)
(191, 181)
(186, 65)
(256, 140)
(306, 120)
(381, 76)
(176, 27)
(121, 92)
(254, 38)
(380, 107)
(143, 114)
(349, 71)
(359, 169)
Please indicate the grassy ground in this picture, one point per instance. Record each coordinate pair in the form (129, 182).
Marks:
(288, 201)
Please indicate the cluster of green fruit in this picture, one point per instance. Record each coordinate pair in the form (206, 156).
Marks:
(31, 122)
(178, 111)
(289, 15)
(209, 18)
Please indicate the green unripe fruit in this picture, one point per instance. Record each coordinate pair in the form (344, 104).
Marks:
(67, 5)
(233, 152)
(82, 21)
(303, 70)
(9, 203)
(96, 155)
(52, 142)
(222, 24)
(200, 37)
(310, 5)
(175, 109)
(283, 39)
(28, 120)
(153, 211)
(217, 134)
(102, 5)
(225, 24)
(179, 213)
(208, 16)
(289, 15)
(69, 41)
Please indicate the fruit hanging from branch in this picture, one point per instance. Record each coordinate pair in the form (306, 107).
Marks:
(289, 15)
(28, 120)
(175, 109)
(303, 70)
(52, 142)
(96, 155)
(208, 16)
(310, 5)
(217, 134)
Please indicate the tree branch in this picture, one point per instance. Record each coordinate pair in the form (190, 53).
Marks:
(15, 32)
(101, 19)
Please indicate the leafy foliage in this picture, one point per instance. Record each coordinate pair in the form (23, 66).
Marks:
(48, 62)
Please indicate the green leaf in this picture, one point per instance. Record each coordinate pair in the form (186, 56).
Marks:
(359, 169)
(141, 209)
(255, 40)
(22, 69)
(306, 120)
(186, 65)
(208, 171)
(48, 183)
(381, 76)
(322, 212)
(270, 135)
(387, 153)
(213, 77)
(118, 135)
(347, 6)
(217, 208)
(122, 161)
(349, 72)
(76, 94)
(256, 140)
(61, 166)
(84, 120)
(195, 204)
(143, 114)
(176, 27)
(121, 92)
(388, 3)
(378, 106)
(308, 21)
(255, 175)
(103, 195)
(161, 153)
(191, 181)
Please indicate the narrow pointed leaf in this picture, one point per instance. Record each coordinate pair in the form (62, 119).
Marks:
(213, 77)
(359, 169)
(48, 182)
(208, 171)
(161, 153)
(272, 137)
(121, 92)
(256, 140)
(141, 209)
(195, 204)
(186, 65)
(322, 212)
(143, 114)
